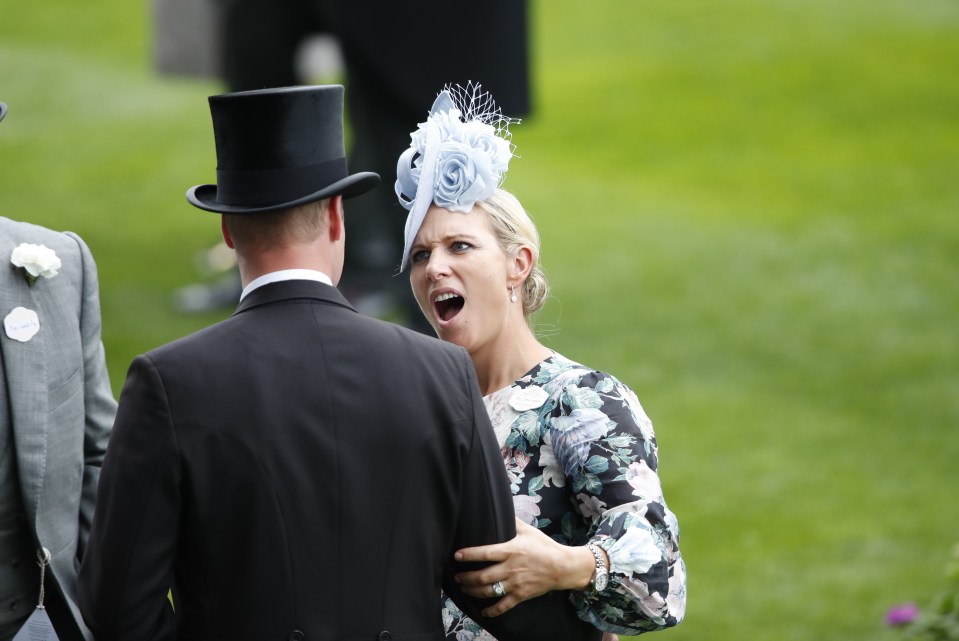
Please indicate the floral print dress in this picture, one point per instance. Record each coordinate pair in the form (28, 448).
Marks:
(582, 460)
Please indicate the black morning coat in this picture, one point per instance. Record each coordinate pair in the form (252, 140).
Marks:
(299, 472)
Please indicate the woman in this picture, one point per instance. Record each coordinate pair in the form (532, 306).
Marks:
(580, 452)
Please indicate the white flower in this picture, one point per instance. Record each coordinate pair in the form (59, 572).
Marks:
(526, 508)
(35, 261)
(590, 506)
(676, 600)
(639, 415)
(553, 474)
(644, 481)
(635, 551)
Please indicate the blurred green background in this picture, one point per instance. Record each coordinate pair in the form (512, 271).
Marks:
(749, 214)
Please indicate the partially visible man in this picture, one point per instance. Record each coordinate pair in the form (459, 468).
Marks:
(298, 471)
(390, 76)
(56, 411)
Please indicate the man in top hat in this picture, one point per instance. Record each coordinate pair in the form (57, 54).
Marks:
(56, 411)
(298, 471)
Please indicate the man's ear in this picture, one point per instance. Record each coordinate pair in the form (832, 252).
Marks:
(226, 232)
(337, 225)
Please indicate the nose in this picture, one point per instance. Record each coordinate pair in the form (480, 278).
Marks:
(437, 266)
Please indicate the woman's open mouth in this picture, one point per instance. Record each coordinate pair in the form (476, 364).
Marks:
(448, 305)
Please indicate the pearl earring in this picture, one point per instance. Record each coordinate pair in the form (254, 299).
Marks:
(512, 296)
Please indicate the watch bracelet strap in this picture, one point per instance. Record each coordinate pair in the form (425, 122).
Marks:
(598, 556)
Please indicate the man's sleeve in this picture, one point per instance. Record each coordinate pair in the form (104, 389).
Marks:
(99, 405)
(487, 517)
(128, 567)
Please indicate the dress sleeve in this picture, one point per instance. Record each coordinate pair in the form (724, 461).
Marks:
(605, 444)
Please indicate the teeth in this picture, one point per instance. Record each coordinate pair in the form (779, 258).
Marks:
(446, 296)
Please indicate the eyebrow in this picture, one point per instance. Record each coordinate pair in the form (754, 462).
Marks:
(449, 238)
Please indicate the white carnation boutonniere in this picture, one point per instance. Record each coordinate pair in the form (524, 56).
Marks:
(35, 261)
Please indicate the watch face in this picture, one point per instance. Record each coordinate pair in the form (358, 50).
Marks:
(602, 580)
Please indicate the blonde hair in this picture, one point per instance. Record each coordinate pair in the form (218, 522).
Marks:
(513, 229)
(276, 229)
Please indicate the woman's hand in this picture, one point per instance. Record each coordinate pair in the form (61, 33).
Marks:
(525, 567)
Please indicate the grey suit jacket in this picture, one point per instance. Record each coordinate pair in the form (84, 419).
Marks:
(60, 400)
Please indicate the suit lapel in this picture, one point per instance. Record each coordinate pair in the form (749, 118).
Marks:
(25, 370)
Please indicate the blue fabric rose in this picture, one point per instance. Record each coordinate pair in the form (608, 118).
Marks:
(463, 177)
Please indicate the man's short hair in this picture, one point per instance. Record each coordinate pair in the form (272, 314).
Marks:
(276, 229)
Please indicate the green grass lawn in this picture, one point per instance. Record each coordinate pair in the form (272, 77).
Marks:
(749, 214)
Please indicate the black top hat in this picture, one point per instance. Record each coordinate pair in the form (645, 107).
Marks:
(278, 148)
(3, 110)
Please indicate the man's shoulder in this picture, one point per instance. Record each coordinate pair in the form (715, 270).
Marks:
(20, 228)
(14, 232)
(370, 343)
(191, 344)
(402, 354)
(408, 340)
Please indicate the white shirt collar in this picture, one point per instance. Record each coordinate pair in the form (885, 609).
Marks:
(286, 274)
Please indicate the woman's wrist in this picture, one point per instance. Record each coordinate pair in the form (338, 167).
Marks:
(581, 565)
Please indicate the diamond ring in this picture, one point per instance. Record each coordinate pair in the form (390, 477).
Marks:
(498, 589)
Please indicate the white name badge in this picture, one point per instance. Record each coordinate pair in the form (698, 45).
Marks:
(528, 398)
(21, 324)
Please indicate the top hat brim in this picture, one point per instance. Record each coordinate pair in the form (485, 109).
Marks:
(205, 196)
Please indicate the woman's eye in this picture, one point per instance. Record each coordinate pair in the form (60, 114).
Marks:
(460, 246)
(420, 256)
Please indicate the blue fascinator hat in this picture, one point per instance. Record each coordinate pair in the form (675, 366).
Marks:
(457, 158)
(3, 110)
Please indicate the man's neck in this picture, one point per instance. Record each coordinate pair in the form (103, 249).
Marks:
(309, 256)
(283, 275)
